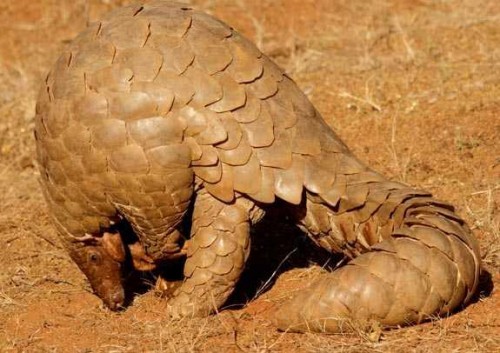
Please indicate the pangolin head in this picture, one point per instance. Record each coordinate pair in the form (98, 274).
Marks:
(101, 260)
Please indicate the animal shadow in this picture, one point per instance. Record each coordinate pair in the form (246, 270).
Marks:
(485, 287)
(278, 246)
(137, 283)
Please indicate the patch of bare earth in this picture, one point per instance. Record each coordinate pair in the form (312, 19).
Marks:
(411, 86)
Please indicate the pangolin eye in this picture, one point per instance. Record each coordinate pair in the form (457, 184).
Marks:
(94, 257)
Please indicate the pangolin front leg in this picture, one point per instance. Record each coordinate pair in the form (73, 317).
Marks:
(216, 255)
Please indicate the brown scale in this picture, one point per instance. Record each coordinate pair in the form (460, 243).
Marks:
(159, 107)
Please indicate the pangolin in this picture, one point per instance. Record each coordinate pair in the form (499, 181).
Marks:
(160, 108)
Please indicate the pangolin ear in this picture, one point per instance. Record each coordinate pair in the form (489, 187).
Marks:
(140, 260)
(113, 244)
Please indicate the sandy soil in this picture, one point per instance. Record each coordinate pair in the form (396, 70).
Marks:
(411, 85)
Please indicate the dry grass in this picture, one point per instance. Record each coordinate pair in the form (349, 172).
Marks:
(486, 219)
(410, 86)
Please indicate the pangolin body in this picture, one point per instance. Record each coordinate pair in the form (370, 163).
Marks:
(159, 106)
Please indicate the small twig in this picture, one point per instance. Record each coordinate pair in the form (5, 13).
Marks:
(48, 240)
(369, 102)
(404, 37)
(393, 143)
(10, 240)
(266, 284)
(278, 339)
(235, 339)
(485, 191)
(217, 313)
(55, 281)
(257, 24)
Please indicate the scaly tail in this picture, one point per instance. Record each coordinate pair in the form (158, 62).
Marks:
(414, 258)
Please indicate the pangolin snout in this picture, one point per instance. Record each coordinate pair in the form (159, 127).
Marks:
(115, 300)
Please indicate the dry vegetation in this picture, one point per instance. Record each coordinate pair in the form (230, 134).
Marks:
(411, 85)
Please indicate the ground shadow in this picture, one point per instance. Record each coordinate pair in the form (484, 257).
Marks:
(137, 283)
(485, 287)
(278, 245)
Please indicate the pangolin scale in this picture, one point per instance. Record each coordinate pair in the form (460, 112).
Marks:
(158, 107)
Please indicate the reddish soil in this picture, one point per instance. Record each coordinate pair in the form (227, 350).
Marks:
(411, 85)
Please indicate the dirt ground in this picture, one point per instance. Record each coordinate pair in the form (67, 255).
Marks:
(412, 86)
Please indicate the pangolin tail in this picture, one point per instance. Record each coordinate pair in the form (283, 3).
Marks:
(413, 258)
